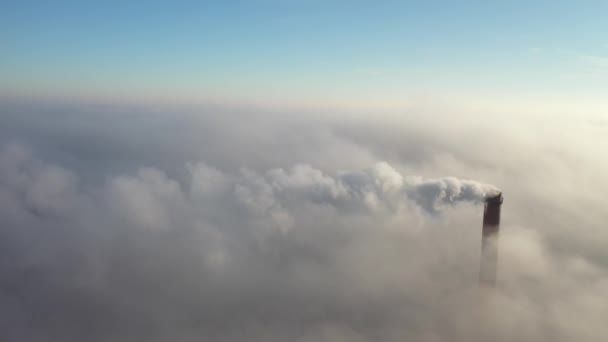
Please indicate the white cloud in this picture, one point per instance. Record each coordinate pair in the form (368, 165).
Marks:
(301, 229)
(596, 62)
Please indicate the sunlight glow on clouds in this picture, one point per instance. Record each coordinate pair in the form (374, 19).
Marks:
(146, 225)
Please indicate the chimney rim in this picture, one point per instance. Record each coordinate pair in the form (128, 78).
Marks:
(498, 199)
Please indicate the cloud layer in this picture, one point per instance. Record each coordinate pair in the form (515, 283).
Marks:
(130, 225)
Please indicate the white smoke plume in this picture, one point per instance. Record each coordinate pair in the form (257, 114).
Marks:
(378, 186)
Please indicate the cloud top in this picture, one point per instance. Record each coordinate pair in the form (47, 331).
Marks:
(132, 231)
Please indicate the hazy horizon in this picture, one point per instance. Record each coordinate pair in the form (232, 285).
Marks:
(308, 171)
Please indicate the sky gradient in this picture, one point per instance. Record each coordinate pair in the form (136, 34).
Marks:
(303, 171)
(231, 50)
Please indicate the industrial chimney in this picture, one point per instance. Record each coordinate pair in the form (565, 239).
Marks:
(489, 240)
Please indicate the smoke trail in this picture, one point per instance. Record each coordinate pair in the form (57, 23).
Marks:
(379, 185)
(272, 196)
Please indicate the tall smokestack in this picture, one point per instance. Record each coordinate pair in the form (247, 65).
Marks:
(489, 240)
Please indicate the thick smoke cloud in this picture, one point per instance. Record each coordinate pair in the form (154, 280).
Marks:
(130, 224)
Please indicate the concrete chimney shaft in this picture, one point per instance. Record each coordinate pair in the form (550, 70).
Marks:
(489, 240)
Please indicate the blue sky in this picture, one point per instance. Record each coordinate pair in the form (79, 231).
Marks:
(200, 48)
